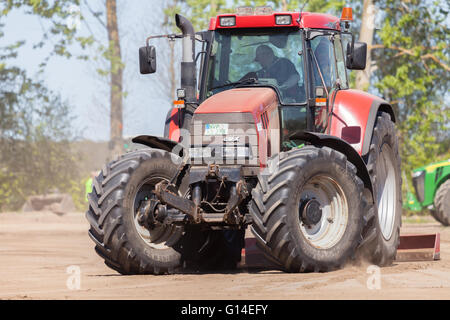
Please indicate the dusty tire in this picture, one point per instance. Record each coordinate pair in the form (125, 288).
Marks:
(128, 248)
(277, 203)
(441, 210)
(383, 164)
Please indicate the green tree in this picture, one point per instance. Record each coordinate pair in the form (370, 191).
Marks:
(60, 15)
(35, 131)
(411, 53)
(56, 14)
(200, 11)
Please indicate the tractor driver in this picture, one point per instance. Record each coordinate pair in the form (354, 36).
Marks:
(281, 69)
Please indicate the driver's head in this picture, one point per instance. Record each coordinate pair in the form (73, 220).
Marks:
(264, 55)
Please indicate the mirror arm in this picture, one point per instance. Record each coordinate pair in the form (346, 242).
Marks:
(169, 36)
(198, 55)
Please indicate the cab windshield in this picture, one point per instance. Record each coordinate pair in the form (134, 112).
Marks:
(262, 57)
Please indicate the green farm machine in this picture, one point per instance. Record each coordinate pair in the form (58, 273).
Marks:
(432, 191)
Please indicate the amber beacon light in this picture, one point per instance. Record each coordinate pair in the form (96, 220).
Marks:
(346, 14)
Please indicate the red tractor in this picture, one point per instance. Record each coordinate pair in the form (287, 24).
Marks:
(266, 134)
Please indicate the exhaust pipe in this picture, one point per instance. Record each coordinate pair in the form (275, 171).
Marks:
(188, 72)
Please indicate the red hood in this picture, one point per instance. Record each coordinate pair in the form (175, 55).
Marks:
(253, 100)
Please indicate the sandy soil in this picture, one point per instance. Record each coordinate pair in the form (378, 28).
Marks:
(37, 248)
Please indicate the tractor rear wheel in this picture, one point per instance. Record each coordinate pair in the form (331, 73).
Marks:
(383, 164)
(311, 213)
(441, 210)
(130, 248)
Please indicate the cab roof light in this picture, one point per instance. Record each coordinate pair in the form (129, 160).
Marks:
(244, 11)
(283, 19)
(347, 14)
(263, 10)
(227, 21)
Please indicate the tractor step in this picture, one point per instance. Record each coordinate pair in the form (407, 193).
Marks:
(413, 247)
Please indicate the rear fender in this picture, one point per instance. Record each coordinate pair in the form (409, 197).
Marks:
(354, 116)
(324, 140)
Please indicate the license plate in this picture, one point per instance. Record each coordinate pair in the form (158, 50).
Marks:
(214, 129)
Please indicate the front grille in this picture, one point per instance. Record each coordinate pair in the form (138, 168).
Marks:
(237, 131)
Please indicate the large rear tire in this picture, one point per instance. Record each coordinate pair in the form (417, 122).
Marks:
(290, 230)
(130, 248)
(441, 210)
(383, 164)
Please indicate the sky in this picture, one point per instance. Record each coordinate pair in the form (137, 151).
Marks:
(77, 81)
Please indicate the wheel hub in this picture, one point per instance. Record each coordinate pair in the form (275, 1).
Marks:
(323, 212)
(311, 213)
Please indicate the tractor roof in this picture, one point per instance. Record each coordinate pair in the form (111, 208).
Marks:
(433, 166)
(309, 20)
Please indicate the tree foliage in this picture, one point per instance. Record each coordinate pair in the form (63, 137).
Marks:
(35, 129)
(411, 53)
(35, 132)
(56, 14)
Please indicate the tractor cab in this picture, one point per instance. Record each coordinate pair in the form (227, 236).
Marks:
(299, 56)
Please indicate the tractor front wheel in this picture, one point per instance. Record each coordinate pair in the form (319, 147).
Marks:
(130, 247)
(311, 213)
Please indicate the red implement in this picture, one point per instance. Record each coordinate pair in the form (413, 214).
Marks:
(422, 247)
(253, 257)
(413, 247)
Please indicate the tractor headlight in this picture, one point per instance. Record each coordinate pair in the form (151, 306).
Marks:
(220, 152)
(227, 21)
(243, 152)
(283, 20)
(236, 152)
(200, 152)
(229, 152)
(417, 174)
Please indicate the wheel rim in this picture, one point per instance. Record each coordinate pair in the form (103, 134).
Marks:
(328, 231)
(386, 191)
(158, 237)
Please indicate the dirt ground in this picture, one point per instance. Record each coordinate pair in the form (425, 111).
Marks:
(36, 250)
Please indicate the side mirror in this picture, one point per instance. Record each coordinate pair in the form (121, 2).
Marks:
(356, 58)
(147, 59)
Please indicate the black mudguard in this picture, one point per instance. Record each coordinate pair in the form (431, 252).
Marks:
(377, 106)
(160, 143)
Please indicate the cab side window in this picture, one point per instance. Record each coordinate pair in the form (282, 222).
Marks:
(323, 50)
(341, 70)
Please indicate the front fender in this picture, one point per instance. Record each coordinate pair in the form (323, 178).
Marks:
(160, 143)
(325, 140)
